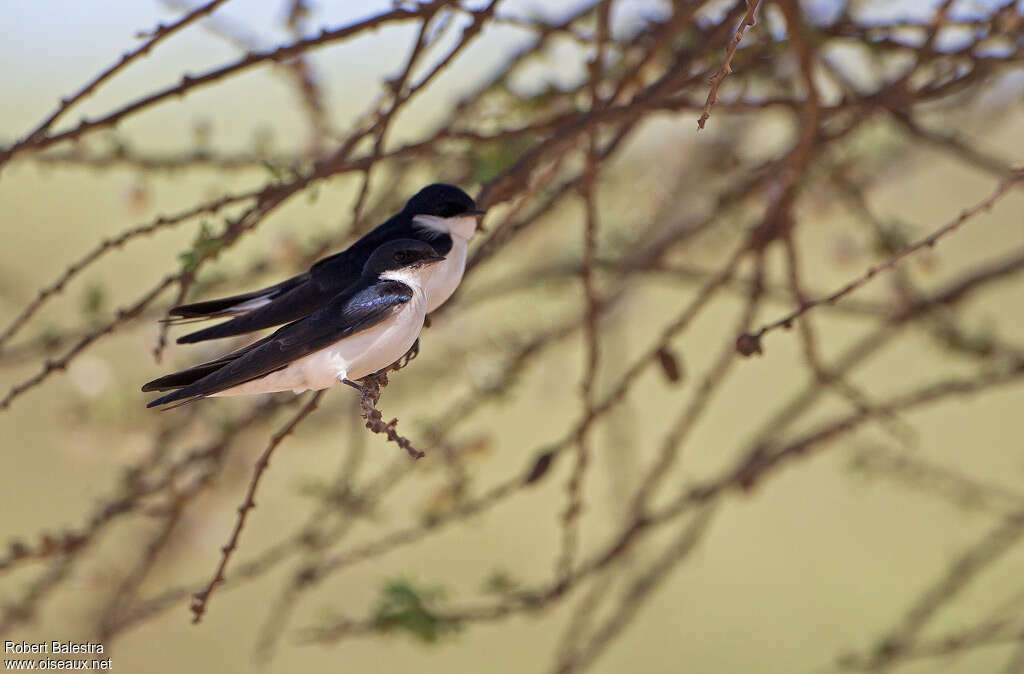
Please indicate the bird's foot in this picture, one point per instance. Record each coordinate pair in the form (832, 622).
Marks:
(364, 391)
(410, 355)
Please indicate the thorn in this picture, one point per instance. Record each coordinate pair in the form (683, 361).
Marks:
(749, 344)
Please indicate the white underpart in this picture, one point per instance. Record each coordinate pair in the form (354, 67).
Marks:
(449, 272)
(355, 356)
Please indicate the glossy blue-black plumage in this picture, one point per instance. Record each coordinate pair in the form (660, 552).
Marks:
(303, 294)
(362, 305)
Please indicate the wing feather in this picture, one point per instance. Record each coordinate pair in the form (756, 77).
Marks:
(353, 311)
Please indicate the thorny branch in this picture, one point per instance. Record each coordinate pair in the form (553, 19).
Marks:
(745, 340)
(726, 67)
(201, 598)
(721, 212)
(154, 37)
(588, 188)
(368, 399)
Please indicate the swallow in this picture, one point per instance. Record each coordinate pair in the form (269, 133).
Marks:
(365, 328)
(442, 215)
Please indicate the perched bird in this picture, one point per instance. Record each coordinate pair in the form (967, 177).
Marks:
(442, 215)
(367, 327)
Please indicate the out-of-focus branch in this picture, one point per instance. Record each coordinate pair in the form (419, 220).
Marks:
(671, 238)
(749, 342)
(726, 68)
(202, 598)
(191, 82)
(157, 35)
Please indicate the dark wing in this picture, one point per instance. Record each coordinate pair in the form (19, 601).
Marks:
(348, 313)
(298, 302)
(193, 374)
(301, 295)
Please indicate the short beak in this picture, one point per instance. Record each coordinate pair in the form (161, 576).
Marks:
(480, 213)
(433, 259)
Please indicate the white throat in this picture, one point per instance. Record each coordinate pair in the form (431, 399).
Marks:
(462, 226)
(416, 278)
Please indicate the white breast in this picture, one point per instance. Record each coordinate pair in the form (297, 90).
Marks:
(352, 358)
(448, 274)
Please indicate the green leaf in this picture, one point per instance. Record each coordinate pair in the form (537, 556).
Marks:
(189, 261)
(404, 607)
(276, 171)
(500, 582)
(93, 299)
(891, 239)
(492, 159)
(204, 246)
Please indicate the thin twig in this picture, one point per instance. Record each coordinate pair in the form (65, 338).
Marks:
(201, 598)
(368, 399)
(156, 36)
(726, 68)
(754, 338)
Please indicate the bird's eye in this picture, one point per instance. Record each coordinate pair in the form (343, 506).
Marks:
(450, 208)
(403, 256)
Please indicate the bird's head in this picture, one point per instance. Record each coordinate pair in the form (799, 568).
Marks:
(445, 209)
(406, 260)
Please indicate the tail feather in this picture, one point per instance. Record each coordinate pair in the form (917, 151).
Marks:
(177, 382)
(225, 306)
(181, 379)
(181, 320)
(236, 304)
(179, 397)
(230, 328)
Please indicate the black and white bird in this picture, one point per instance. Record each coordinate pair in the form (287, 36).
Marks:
(367, 327)
(442, 215)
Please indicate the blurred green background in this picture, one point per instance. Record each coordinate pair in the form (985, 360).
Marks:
(818, 561)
